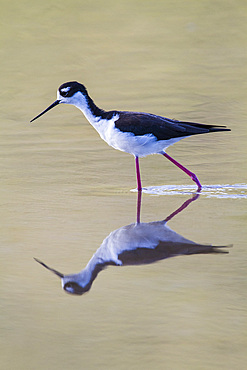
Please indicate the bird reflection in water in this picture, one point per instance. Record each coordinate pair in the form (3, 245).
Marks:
(134, 244)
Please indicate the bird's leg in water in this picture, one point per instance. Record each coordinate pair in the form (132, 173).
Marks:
(191, 174)
(138, 175)
(138, 208)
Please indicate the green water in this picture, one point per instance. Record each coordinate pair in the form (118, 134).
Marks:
(63, 190)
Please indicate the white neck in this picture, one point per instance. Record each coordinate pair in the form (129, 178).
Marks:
(95, 115)
(87, 106)
(87, 275)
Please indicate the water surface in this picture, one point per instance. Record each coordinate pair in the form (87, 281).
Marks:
(63, 190)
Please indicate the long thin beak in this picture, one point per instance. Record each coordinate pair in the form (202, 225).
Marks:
(46, 110)
(49, 268)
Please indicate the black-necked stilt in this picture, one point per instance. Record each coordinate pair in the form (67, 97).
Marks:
(134, 244)
(136, 133)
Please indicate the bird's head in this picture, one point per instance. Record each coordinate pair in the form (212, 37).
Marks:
(68, 93)
(70, 283)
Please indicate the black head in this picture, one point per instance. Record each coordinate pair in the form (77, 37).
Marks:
(68, 89)
(69, 282)
(72, 287)
(65, 94)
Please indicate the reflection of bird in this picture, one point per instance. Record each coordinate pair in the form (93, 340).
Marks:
(135, 244)
(136, 133)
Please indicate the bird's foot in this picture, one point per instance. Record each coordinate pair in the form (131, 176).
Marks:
(195, 179)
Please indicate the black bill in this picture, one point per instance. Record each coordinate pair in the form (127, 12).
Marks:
(49, 268)
(46, 110)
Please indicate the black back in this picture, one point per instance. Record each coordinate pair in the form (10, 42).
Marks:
(162, 128)
(141, 123)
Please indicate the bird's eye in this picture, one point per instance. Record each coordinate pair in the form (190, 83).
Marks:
(69, 287)
(74, 288)
(65, 91)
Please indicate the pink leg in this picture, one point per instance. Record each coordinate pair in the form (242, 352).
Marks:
(138, 211)
(138, 175)
(183, 206)
(191, 174)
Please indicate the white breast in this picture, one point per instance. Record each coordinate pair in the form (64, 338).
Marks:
(127, 142)
(139, 146)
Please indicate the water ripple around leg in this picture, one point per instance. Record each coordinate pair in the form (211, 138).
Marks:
(235, 191)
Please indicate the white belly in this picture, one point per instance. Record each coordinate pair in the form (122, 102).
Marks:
(139, 146)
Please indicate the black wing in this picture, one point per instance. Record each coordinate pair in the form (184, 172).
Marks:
(162, 128)
(165, 250)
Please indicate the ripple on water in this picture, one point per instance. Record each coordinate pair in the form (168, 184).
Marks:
(235, 191)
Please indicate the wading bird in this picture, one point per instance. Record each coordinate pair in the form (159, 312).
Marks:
(135, 244)
(139, 134)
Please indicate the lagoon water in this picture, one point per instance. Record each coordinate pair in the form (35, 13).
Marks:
(63, 190)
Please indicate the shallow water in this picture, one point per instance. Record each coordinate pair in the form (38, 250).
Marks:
(63, 190)
(235, 191)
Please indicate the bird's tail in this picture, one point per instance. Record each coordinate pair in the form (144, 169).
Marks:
(205, 127)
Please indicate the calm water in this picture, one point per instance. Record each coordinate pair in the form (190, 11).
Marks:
(63, 190)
